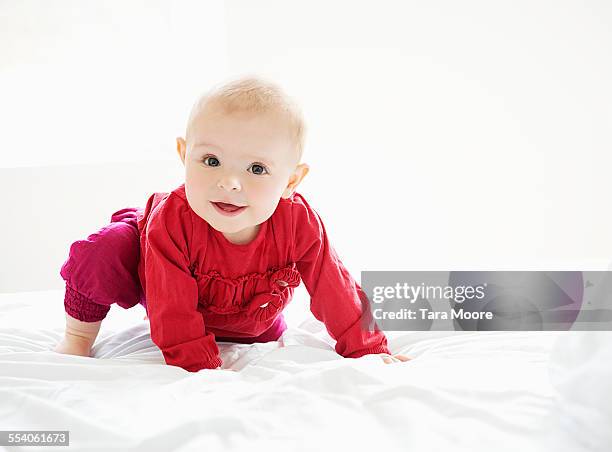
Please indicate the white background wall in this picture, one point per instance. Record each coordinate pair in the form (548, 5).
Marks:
(442, 135)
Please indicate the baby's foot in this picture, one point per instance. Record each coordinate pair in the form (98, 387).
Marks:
(74, 345)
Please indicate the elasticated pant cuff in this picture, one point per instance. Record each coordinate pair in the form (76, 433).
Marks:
(80, 307)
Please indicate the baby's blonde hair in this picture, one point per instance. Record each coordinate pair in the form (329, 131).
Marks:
(254, 94)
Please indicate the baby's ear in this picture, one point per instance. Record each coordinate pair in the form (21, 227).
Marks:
(298, 175)
(181, 148)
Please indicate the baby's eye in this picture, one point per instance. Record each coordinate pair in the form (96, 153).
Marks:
(212, 161)
(258, 169)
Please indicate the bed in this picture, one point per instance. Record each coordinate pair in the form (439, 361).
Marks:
(463, 391)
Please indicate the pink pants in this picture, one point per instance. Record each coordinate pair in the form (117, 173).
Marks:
(103, 269)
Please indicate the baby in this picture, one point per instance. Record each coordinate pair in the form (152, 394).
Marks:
(218, 258)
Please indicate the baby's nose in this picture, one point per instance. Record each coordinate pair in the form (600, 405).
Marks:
(229, 184)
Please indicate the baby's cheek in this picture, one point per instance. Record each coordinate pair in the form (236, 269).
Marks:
(194, 176)
(266, 196)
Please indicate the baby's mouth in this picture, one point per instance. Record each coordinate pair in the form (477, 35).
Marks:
(229, 208)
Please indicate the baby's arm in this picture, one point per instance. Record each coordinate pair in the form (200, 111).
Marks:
(336, 298)
(171, 291)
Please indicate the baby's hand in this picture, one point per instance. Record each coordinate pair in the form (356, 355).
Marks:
(389, 359)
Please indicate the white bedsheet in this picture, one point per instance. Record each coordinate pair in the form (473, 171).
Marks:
(461, 392)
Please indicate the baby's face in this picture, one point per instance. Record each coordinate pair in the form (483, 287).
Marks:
(240, 159)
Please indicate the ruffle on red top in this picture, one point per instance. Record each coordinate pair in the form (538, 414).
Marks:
(259, 295)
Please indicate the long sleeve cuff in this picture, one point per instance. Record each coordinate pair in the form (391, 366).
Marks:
(212, 364)
(200, 353)
(369, 351)
(357, 341)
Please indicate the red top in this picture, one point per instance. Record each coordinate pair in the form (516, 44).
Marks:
(199, 285)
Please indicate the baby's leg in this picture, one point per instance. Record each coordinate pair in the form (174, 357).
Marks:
(100, 271)
(79, 337)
